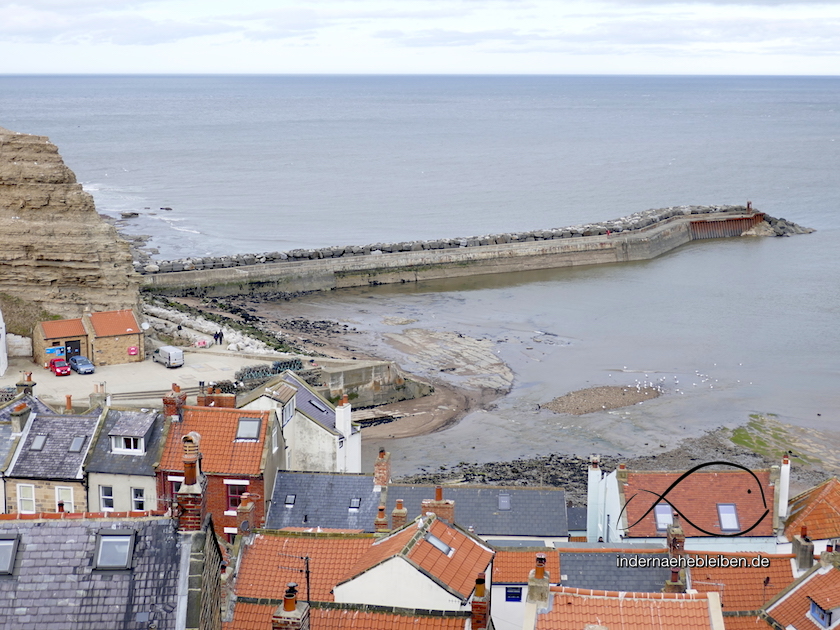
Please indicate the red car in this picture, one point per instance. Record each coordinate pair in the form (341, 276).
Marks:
(59, 367)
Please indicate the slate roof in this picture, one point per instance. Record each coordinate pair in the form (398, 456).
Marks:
(822, 585)
(697, 497)
(54, 460)
(513, 567)
(128, 422)
(743, 587)
(574, 609)
(576, 518)
(596, 569)
(533, 511)
(323, 500)
(248, 616)
(34, 403)
(456, 572)
(818, 509)
(273, 560)
(222, 453)
(114, 323)
(7, 443)
(311, 404)
(61, 328)
(53, 584)
(275, 388)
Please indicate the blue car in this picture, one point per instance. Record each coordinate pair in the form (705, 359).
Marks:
(81, 364)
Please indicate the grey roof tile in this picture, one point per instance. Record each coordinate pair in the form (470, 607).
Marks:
(102, 460)
(323, 500)
(533, 511)
(54, 460)
(577, 518)
(311, 404)
(598, 570)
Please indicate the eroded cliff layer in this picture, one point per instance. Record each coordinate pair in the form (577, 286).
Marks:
(55, 250)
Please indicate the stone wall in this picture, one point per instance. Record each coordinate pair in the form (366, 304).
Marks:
(45, 497)
(56, 251)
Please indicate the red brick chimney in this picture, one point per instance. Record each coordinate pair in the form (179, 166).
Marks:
(399, 515)
(380, 523)
(382, 469)
(173, 403)
(293, 614)
(190, 500)
(479, 606)
(676, 583)
(440, 507)
(245, 515)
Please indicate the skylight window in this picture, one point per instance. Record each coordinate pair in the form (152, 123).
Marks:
(290, 500)
(728, 517)
(8, 549)
(664, 517)
(76, 444)
(318, 405)
(113, 549)
(504, 501)
(248, 429)
(38, 443)
(355, 503)
(438, 544)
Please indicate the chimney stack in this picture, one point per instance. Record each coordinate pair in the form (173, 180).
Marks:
(190, 499)
(292, 614)
(539, 585)
(99, 397)
(803, 550)
(245, 515)
(343, 418)
(173, 403)
(19, 416)
(440, 507)
(479, 604)
(399, 515)
(676, 583)
(676, 538)
(380, 524)
(25, 385)
(621, 475)
(783, 491)
(382, 470)
(68, 403)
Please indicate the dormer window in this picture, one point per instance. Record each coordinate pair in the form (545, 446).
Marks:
(248, 429)
(820, 615)
(728, 516)
(127, 445)
(38, 443)
(664, 517)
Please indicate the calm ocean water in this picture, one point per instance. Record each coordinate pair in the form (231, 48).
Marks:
(253, 164)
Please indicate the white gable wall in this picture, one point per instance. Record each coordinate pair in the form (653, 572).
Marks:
(311, 447)
(396, 582)
(4, 360)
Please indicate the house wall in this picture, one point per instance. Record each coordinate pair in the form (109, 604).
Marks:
(114, 350)
(45, 497)
(350, 454)
(217, 500)
(310, 447)
(122, 486)
(40, 345)
(4, 360)
(507, 615)
(275, 458)
(376, 587)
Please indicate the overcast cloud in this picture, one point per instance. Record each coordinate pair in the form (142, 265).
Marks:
(421, 36)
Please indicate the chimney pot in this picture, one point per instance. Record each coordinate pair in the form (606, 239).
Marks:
(345, 399)
(803, 531)
(438, 493)
(290, 598)
(539, 570)
(68, 403)
(480, 585)
(829, 548)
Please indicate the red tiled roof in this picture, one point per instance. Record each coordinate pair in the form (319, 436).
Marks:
(575, 608)
(818, 509)
(274, 560)
(221, 453)
(745, 623)
(61, 328)
(697, 497)
(258, 617)
(457, 571)
(513, 567)
(822, 586)
(114, 323)
(743, 587)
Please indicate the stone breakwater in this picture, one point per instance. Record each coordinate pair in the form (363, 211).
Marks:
(640, 236)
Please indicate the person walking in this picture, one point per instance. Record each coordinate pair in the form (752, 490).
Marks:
(221, 337)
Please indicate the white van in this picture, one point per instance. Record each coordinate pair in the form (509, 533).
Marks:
(170, 356)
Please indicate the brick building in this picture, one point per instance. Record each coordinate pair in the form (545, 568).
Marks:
(115, 337)
(59, 339)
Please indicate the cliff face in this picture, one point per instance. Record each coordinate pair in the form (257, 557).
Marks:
(55, 250)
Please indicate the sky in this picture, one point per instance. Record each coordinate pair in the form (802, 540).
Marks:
(764, 37)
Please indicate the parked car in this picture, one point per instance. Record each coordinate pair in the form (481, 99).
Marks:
(170, 356)
(81, 364)
(59, 367)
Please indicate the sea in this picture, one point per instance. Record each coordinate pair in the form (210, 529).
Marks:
(731, 327)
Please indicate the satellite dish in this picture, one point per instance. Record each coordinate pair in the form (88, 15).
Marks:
(145, 326)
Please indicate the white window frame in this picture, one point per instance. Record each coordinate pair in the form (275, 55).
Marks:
(233, 482)
(118, 445)
(134, 507)
(664, 516)
(275, 442)
(103, 497)
(72, 502)
(244, 429)
(21, 498)
(724, 516)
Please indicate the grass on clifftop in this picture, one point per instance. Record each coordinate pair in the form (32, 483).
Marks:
(21, 316)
